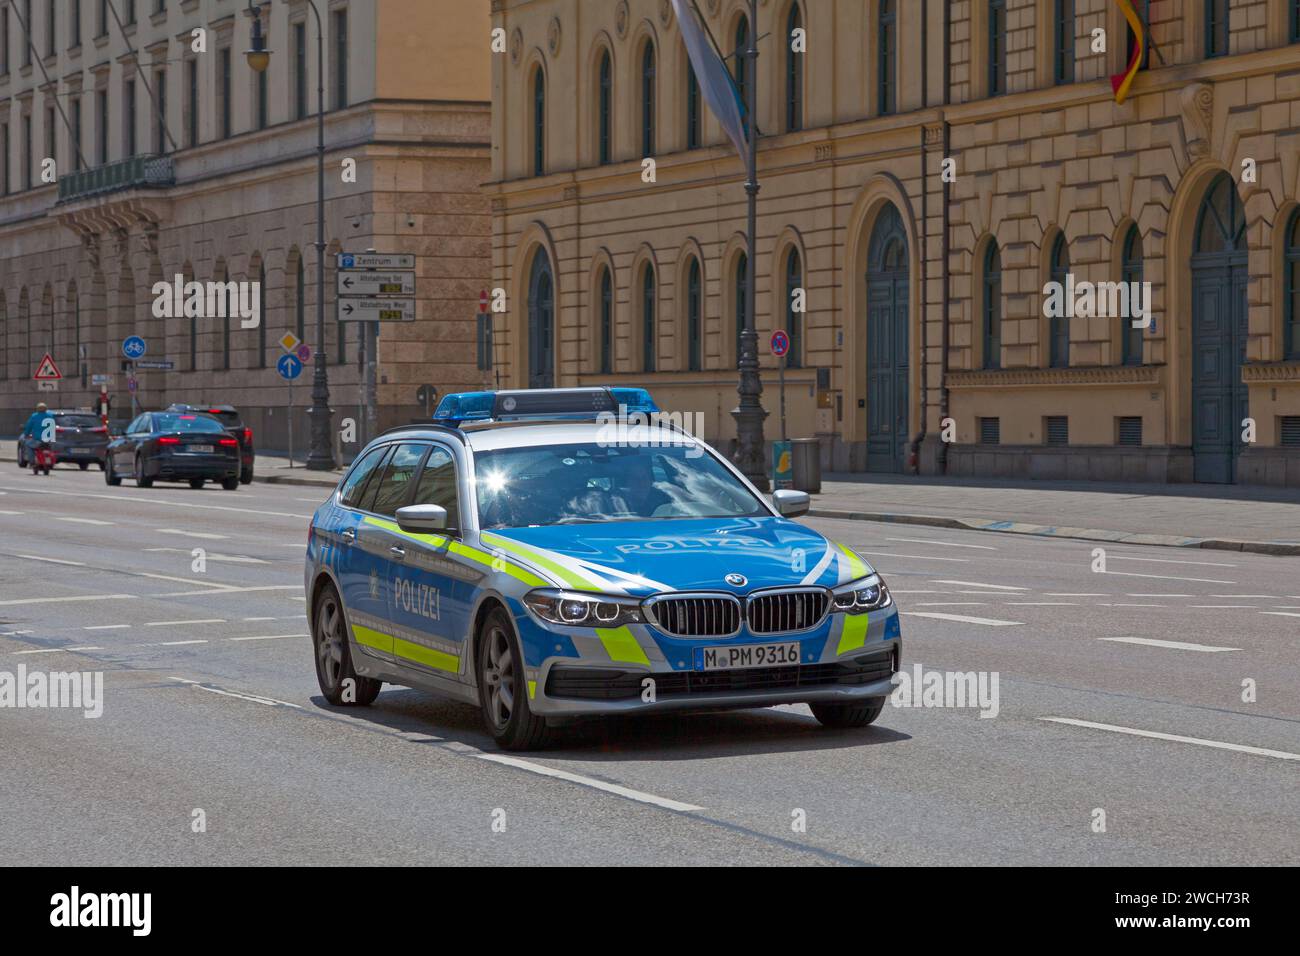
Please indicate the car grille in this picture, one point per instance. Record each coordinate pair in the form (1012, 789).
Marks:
(711, 616)
(784, 611)
(587, 683)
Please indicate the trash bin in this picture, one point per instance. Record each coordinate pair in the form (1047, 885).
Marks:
(807, 456)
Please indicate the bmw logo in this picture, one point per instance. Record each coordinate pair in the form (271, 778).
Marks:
(736, 580)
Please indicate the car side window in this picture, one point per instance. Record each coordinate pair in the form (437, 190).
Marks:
(134, 427)
(355, 484)
(394, 489)
(437, 485)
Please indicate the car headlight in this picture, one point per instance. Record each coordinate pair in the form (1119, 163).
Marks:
(865, 594)
(579, 609)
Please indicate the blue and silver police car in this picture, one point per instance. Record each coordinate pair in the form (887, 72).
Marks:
(548, 554)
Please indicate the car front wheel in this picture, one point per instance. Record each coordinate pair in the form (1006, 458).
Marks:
(140, 480)
(111, 478)
(503, 688)
(338, 679)
(848, 715)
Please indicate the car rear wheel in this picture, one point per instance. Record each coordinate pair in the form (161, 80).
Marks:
(111, 478)
(83, 465)
(848, 715)
(196, 483)
(334, 657)
(230, 484)
(503, 688)
(246, 477)
(140, 480)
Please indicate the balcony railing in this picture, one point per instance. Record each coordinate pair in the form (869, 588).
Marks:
(137, 172)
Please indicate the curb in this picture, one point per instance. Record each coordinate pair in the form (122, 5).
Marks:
(1278, 549)
(300, 482)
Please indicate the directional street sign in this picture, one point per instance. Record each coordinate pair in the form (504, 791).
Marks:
(133, 347)
(160, 365)
(289, 367)
(376, 283)
(47, 371)
(376, 310)
(101, 380)
(370, 260)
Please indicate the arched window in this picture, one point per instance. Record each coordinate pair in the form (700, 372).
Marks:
(1063, 41)
(742, 285)
(793, 73)
(1221, 227)
(541, 322)
(887, 57)
(1132, 272)
(694, 118)
(539, 122)
(4, 336)
(992, 307)
(997, 41)
(740, 66)
(649, 342)
(793, 319)
(606, 322)
(648, 100)
(1216, 28)
(1060, 324)
(694, 317)
(604, 108)
(1291, 316)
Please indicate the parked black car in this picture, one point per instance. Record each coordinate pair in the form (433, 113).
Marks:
(169, 446)
(229, 416)
(79, 438)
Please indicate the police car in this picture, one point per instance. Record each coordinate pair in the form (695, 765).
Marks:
(549, 554)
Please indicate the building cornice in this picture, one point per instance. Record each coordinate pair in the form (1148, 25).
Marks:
(1143, 375)
(1261, 373)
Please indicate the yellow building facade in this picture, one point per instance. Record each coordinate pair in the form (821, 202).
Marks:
(927, 168)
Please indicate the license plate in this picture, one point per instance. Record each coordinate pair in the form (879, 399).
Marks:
(741, 656)
(201, 449)
(81, 451)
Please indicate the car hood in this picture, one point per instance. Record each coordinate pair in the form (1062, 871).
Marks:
(645, 557)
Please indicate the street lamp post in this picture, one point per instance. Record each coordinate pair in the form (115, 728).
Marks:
(321, 457)
(749, 414)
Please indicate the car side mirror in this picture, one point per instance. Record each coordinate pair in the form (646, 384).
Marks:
(791, 504)
(422, 519)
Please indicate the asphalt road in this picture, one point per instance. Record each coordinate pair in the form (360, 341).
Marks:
(1119, 692)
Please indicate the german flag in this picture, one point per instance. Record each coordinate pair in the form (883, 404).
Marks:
(1122, 82)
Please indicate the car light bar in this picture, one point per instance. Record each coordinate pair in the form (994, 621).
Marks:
(542, 403)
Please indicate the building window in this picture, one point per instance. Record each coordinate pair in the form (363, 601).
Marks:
(192, 102)
(27, 24)
(793, 319)
(261, 310)
(1291, 338)
(4, 159)
(997, 40)
(129, 117)
(128, 12)
(223, 276)
(50, 23)
(693, 115)
(101, 129)
(28, 180)
(886, 56)
(1216, 28)
(223, 65)
(101, 23)
(263, 100)
(74, 24)
(1063, 22)
(990, 431)
(1059, 333)
(4, 41)
(160, 120)
(539, 122)
(76, 131)
(1132, 272)
(1056, 430)
(340, 59)
(992, 307)
(51, 146)
(740, 68)
(604, 109)
(300, 70)
(1295, 21)
(649, 341)
(694, 318)
(648, 100)
(793, 73)
(742, 285)
(606, 322)
(300, 299)
(1143, 8)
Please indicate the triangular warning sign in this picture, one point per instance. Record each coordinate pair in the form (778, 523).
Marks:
(47, 370)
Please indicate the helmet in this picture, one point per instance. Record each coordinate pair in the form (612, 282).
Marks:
(40, 406)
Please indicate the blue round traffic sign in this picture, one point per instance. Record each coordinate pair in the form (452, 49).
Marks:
(780, 343)
(289, 367)
(133, 347)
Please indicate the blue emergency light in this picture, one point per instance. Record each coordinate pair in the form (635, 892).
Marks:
(543, 403)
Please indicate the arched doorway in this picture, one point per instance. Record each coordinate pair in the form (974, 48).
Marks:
(887, 345)
(1219, 324)
(541, 323)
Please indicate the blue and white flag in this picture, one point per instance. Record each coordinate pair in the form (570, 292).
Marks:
(714, 78)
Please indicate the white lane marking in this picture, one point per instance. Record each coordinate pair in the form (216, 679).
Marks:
(206, 620)
(192, 534)
(1242, 596)
(946, 544)
(1172, 645)
(37, 557)
(84, 647)
(232, 589)
(11, 512)
(231, 558)
(1165, 577)
(976, 584)
(1221, 607)
(269, 701)
(1129, 605)
(65, 600)
(13, 633)
(915, 557)
(1279, 613)
(46, 650)
(897, 591)
(82, 520)
(1041, 603)
(1164, 595)
(173, 643)
(963, 619)
(188, 505)
(1075, 594)
(105, 627)
(1209, 564)
(951, 604)
(257, 619)
(268, 637)
(1176, 738)
(638, 795)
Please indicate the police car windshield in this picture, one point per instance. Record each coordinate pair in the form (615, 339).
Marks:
(574, 484)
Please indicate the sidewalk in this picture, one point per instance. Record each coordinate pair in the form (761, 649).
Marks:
(1227, 517)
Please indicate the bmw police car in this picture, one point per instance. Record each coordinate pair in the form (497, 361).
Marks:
(554, 553)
